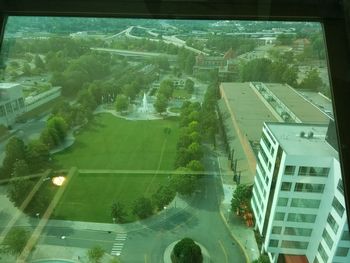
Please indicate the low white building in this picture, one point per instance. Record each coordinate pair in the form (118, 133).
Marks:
(11, 102)
(298, 198)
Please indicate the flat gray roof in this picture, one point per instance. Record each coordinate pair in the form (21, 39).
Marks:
(288, 136)
(248, 109)
(303, 109)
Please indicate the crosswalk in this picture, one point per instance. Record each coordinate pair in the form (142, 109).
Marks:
(118, 244)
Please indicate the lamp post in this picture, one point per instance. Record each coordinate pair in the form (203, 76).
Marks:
(114, 219)
(165, 212)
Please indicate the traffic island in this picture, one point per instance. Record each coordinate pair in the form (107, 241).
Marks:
(169, 252)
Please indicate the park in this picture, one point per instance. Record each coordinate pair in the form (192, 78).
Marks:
(133, 155)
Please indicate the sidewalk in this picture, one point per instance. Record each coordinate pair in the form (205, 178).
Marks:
(241, 233)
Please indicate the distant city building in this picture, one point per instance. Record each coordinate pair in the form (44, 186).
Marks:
(298, 197)
(224, 65)
(11, 102)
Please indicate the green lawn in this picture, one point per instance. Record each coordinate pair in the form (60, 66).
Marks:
(112, 143)
(109, 142)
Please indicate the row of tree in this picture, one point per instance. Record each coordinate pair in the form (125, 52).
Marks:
(280, 71)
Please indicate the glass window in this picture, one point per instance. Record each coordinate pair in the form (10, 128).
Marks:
(306, 218)
(9, 108)
(340, 186)
(306, 203)
(327, 238)
(313, 171)
(2, 111)
(276, 230)
(282, 201)
(295, 231)
(342, 251)
(264, 157)
(294, 244)
(338, 207)
(286, 186)
(279, 216)
(309, 188)
(273, 243)
(332, 223)
(346, 235)
(289, 170)
(322, 253)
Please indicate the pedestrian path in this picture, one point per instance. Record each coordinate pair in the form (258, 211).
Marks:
(118, 244)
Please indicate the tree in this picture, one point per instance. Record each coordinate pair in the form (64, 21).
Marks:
(14, 150)
(143, 207)
(38, 155)
(285, 39)
(39, 63)
(189, 63)
(163, 196)
(195, 165)
(195, 151)
(312, 81)
(121, 103)
(166, 88)
(95, 254)
(183, 181)
(59, 125)
(262, 259)
(189, 86)
(118, 212)
(161, 103)
(15, 241)
(187, 251)
(241, 198)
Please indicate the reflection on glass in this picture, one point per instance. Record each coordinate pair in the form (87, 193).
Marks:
(128, 140)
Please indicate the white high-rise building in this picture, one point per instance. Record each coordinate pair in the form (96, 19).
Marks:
(11, 102)
(298, 198)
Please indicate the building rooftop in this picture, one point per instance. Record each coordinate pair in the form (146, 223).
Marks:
(303, 109)
(8, 85)
(248, 109)
(289, 136)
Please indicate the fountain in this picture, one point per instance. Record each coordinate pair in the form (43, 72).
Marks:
(144, 107)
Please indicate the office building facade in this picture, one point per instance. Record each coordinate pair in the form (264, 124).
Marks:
(298, 197)
(11, 103)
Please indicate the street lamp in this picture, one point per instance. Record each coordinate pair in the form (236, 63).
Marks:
(165, 212)
(114, 220)
(37, 215)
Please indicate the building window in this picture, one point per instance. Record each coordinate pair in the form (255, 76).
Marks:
(266, 141)
(322, 253)
(2, 111)
(295, 231)
(294, 244)
(276, 230)
(340, 187)
(342, 251)
(286, 186)
(338, 207)
(282, 201)
(14, 105)
(9, 108)
(327, 238)
(313, 171)
(279, 216)
(289, 170)
(263, 155)
(21, 103)
(332, 223)
(346, 235)
(305, 203)
(305, 218)
(309, 188)
(273, 243)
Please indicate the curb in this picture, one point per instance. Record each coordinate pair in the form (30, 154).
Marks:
(234, 237)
